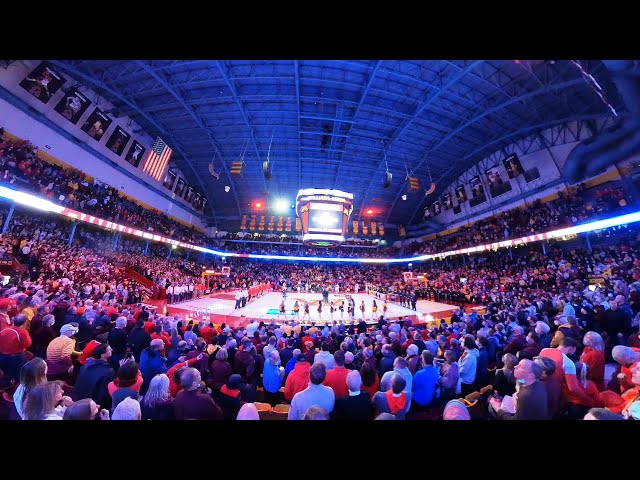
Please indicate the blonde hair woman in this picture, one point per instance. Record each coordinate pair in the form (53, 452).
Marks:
(593, 356)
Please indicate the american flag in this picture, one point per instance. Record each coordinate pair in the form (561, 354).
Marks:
(157, 160)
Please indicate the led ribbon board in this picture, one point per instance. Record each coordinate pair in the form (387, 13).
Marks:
(32, 201)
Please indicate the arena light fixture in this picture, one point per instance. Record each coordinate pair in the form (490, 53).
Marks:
(32, 201)
(281, 206)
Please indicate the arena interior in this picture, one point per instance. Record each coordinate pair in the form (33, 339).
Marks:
(320, 240)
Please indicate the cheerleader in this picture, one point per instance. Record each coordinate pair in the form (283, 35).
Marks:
(341, 307)
(350, 311)
(374, 310)
(332, 309)
(384, 309)
(306, 311)
(362, 309)
(319, 309)
(282, 311)
(296, 310)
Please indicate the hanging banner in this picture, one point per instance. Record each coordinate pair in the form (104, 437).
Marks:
(401, 231)
(252, 223)
(365, 230)
(288, 224)
(447, 201)
(261, 224)
(272, 223)
(243, 224)
(355, 227)
(298, 225)
(381, 229)
(373, 228)
(280, 227)
(461, 194)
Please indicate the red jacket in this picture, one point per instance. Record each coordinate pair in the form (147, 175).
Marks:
(14, 340)
(297, 380)
(174, 388)
(337, 379)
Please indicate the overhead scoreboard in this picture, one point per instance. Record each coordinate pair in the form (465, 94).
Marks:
(324, 215)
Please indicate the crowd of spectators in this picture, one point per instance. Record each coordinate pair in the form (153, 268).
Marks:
(76, 344)
(20, 166)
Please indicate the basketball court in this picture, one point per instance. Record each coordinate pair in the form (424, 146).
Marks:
(220, 307)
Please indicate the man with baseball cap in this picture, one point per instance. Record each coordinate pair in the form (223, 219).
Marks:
(60, 352)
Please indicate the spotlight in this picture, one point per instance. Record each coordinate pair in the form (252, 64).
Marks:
(258, 205)
(404, 198)
(227, 188)
(281, 206)
(369, 212)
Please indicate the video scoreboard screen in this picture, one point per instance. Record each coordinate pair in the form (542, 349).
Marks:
(324, 215)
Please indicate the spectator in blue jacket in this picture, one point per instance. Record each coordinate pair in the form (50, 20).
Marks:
(152, 363)
(425, 382)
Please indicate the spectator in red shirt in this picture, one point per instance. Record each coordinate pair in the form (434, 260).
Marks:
(13, 343)
(336, 378)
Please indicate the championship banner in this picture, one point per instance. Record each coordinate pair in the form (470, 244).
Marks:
(497, 186)
(261, 223)
(365, 230)
(437, 208)
(43, 82)
(373, 228)
(381, 229)
(197, 201)
(280, 227)
(355, 227)
(288, 224)
(298, 225)
(272, 223)
(243, 223)
(477, 189)
(252, 223)
(72, 105)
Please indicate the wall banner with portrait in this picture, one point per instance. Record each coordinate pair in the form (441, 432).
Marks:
(436, 208)
(135, 154)
(447, 201)
(43, 82)
(497, 185)
(180, 187)
(513, 166)
(461, 194)
(169, 179)
(72, 105)
(118, 140)
(97, 123)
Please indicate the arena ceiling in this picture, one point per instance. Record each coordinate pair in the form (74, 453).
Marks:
(339, 123)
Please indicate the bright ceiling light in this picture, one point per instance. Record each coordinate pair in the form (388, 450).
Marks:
(370, 212)
(282, 206)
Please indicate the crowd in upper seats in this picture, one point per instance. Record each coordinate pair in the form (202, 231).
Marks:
(570, 208)
(75, 344)
(20, 166)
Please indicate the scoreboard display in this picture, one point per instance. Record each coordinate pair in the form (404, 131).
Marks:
(324, 215)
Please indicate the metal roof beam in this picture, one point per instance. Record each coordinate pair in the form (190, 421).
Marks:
(169, 88)
(405, 124)
(227, 78)
(520, 132)
(483, 114)
(296, 71)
